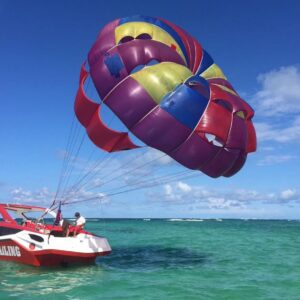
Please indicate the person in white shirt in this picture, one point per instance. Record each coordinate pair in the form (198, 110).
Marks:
(79, 223)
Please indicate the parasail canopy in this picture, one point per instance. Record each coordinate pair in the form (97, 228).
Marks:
(169, 93)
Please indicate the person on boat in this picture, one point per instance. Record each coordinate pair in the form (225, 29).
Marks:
(79, 223)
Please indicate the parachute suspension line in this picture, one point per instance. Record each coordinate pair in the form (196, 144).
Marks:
(79, 177)
(190, 176)
(126, 172)
(87, 185)
(69, 158)
(170, 176)
(145, 184)
(70, 141)
(104, 227)
(93, 170)
(83, 180)
(71, 163)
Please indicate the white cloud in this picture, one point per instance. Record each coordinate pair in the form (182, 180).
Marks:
(157, 157)
(223, 203)
(168, 189)
(267, 148)
(45, 197)
(181, 193)
(289, 194)
(22, 196)
(275, 159)
(184, 187)
(280, 92)
(274, 132)
(170, 194)
(277, 106)
(247, 195)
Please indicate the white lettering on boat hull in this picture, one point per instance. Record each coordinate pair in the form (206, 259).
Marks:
(10, 251)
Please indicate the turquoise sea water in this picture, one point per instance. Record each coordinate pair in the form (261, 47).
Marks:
(163, 259)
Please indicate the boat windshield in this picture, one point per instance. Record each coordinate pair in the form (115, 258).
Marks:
(33, 216)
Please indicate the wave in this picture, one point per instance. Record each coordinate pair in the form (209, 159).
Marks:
(185, 220)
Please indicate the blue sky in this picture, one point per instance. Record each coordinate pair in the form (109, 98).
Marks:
(255, 43)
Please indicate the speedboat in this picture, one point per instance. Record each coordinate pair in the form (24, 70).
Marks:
(28, 236)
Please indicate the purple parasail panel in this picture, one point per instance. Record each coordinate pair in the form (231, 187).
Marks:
(194, 152)
(237, 137)
(105, 41)
(238, 164)
(141, 52)
(160, 130)
(221, 163)
(130, 102)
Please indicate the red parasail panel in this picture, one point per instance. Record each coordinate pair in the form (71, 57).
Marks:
(84, 107)
(198, 56)
(215, 120)
(251, 144)
(88, 114)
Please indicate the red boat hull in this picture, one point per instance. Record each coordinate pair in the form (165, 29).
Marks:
(14, 252)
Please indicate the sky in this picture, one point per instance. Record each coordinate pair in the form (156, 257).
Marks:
(43, 44)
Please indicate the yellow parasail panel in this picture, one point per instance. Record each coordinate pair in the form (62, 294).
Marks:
(213, 72)
(160, 79)
(226, 89)
(134, 29)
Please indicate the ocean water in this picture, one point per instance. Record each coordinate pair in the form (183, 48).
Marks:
(173, 259)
